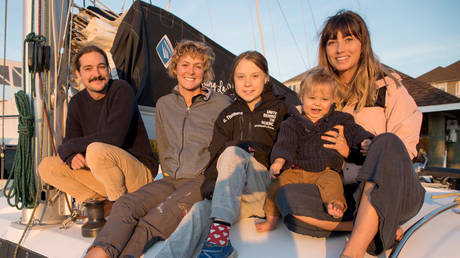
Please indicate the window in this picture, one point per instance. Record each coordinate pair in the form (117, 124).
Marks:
(441, 86)
(11, 78)
(457, 89)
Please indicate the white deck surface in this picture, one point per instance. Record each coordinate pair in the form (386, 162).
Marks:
(439, 237)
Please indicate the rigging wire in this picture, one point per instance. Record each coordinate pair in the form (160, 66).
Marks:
(292, 34)
(5, 69)
(359, 5)
(274, 38)
(210, 18)
(62, 46)
(260, 29)
(252, 25)
(123, 6)
(67, 86)
(312, 17)
(304, 21)
(109, 11)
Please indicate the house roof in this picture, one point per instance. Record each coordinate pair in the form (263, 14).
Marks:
(455, 67)
(295, 78)
(442, 74)
(423, 93)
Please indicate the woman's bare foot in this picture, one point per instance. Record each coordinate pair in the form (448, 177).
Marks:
(335, 209)
(399, 234)
(347, 252)
(96, 252)
(268, 225)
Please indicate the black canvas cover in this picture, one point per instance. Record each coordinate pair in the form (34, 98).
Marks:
(144, 43)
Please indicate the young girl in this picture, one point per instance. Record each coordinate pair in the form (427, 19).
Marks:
(388, 192)
(299, 147)
(238, 178)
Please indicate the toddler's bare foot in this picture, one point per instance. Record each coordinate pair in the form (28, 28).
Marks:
(335, 209)
(268, 225)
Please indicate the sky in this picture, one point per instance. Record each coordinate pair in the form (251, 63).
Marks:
(412, 36)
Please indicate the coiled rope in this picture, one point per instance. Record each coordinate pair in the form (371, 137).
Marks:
(22, 193)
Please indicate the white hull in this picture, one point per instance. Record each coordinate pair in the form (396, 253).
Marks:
(437, 238)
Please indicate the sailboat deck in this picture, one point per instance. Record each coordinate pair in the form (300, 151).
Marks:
(437, 238)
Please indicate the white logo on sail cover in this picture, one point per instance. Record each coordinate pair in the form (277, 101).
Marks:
(164, 50)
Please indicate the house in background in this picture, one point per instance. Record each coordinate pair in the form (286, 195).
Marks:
(10, 83)
(439, 136)
(444, 78)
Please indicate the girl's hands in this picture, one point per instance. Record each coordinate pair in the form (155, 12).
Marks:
(276, 167)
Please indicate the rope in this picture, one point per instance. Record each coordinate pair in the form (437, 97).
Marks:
(260, 28)
(23, 168)
(22, 193)
(27, 226)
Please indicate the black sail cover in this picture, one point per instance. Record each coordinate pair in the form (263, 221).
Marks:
(143, 47)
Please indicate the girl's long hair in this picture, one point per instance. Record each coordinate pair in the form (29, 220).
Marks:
(362, 88)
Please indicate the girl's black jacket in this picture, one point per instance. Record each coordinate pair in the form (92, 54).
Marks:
(254, 132)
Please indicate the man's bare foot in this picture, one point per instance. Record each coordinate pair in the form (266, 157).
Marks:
(96, 252)
(335, 209)
(268, 225)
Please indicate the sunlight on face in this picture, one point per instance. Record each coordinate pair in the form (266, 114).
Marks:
(343, 54)
(190, 72)
(317, 101)
(249, 82)
(93, 73)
